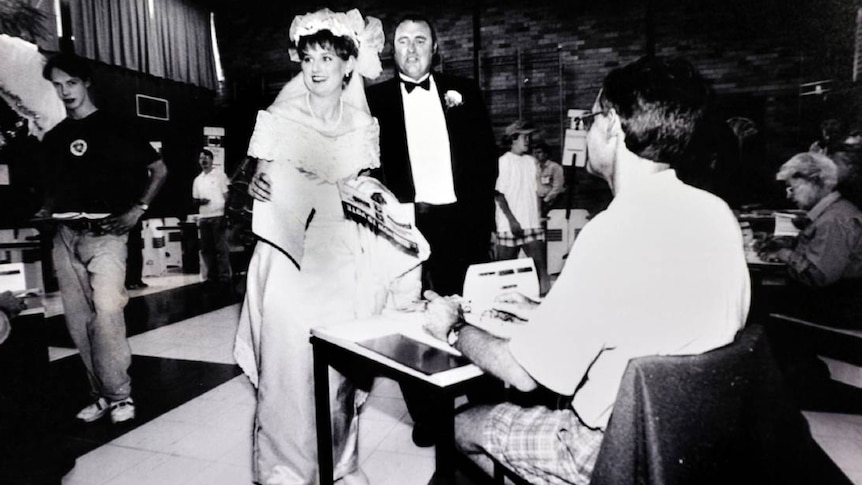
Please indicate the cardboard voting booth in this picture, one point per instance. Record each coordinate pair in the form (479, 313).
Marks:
(155, 252)
(560, 235)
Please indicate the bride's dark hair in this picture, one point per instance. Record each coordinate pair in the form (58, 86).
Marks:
(343, 47)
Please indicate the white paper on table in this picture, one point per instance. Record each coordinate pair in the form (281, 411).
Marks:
(12, 277)
(784, 224)
(484, 282)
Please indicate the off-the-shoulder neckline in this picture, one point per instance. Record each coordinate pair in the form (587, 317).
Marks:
(303, 120)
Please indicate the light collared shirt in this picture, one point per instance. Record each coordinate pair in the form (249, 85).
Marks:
(212, 186)
(660, 271)
(830, 248)
(428, 145)
(822, 204)
(550, 180)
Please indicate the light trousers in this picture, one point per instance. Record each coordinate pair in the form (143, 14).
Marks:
(91, 272)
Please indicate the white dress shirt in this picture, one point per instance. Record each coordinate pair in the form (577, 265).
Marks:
(428, 145)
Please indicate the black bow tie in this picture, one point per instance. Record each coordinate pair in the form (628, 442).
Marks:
(410, 85)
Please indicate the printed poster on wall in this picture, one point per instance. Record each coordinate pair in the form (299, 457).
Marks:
(214, 142)
(575, 143)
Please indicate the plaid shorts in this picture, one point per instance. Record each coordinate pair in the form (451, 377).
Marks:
(510, 240)
(542, 445)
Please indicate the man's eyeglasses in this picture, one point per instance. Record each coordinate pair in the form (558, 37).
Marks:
(587, 120)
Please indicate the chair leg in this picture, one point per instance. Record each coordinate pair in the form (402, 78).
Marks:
(499, 476)
(504, 475)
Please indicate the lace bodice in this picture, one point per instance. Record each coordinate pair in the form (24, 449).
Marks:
(329, 157)
(303, 166)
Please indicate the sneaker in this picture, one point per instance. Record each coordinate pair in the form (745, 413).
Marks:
(94, 411)
(122, 410)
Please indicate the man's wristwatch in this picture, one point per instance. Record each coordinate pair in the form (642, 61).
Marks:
(454, 333)
(142, 205)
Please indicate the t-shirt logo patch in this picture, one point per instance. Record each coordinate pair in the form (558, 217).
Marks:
(78, 147)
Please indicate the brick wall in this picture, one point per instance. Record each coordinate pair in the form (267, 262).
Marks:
(541, 57)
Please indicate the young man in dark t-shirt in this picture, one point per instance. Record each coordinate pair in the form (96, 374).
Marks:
(98, 167)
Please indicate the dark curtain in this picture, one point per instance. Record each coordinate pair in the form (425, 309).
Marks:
(164, 38)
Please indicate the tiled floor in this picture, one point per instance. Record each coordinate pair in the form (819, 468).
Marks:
(207, 440)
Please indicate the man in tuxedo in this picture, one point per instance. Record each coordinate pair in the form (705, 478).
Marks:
(437, 151)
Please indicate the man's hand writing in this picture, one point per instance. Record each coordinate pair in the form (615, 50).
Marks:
(780, 256)
(10, 305)
(774, 243)
(515, 304)
(442, 313)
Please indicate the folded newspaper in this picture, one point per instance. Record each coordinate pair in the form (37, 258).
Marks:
(368, 202)
(784, 224)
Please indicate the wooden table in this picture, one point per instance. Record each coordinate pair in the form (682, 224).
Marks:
(337, 346)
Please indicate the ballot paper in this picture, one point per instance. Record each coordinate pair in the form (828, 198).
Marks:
(12, 278)
(784, 224)
(485, 282)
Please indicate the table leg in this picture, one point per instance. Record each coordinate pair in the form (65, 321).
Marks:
(321, 406)
(445, 449)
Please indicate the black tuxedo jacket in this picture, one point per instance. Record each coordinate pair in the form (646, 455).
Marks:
(471, 142)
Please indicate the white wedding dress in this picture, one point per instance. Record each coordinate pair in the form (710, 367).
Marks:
(344, 272)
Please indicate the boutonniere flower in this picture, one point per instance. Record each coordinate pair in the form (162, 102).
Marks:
(452, 99)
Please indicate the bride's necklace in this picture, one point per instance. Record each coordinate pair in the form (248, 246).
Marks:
(340, 111)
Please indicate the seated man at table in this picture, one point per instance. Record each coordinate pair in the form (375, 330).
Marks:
(660, 271)
(824, 261)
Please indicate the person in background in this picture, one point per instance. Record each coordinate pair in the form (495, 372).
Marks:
(634, 284)
(848, 160)
(519, 223)
(437, 151)
(550, 179)
(102, 168)
(830, 131)
(209, 193)
(825, 258)
(824, 268)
